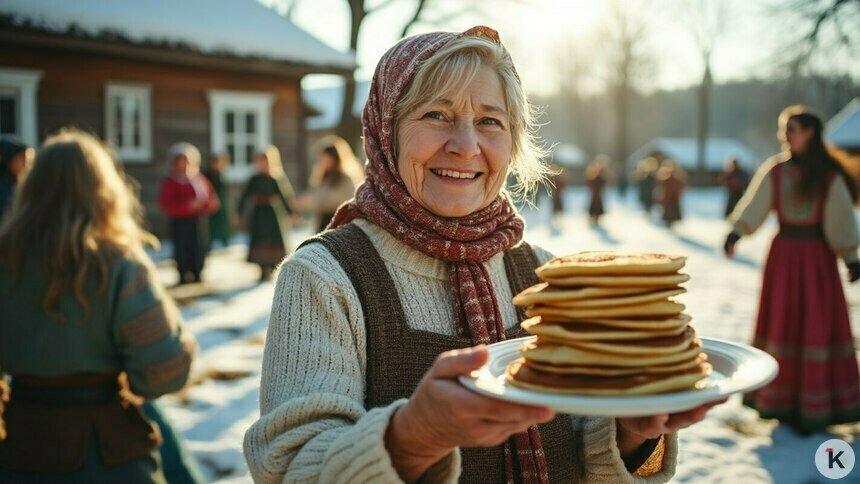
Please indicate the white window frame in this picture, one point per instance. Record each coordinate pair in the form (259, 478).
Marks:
(143, 92)
(26, 82)
(221, 101)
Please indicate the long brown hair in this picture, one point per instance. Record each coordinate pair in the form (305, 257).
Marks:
(345, 163)
(77, 210)
(819, 160)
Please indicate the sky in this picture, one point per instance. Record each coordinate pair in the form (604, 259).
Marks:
(537, 32)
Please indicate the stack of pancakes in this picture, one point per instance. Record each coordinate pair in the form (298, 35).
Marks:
(606, 325)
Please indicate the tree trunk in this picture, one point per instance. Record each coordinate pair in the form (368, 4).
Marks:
(704, 117)
(350, 125)
(622, 112)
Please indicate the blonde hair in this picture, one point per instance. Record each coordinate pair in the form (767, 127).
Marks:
(451, 69)
(273, 157)
(77, 210)
(346, 163)
(670, 169)
(598, 167)
(646, 166)
(188, 150)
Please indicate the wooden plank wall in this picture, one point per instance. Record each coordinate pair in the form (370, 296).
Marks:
(72, 89)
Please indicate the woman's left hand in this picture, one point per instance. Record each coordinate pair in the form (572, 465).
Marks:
(632, 432)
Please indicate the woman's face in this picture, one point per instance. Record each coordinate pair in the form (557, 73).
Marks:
(18, 164)
(217, 164)
(453, 155)
(262, 164)
(180, 164)
(796, 136)
(326, 161)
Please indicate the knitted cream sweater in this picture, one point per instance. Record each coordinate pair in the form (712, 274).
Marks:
(313, 425)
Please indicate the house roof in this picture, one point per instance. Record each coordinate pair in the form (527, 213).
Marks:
(843, 130)
(243, 28)
(328, 101)
(683, 152)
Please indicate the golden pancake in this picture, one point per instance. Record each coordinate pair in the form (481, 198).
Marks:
(562, 354)
(654, 282)
(655, 324)
(600, 263)
(564, 332)
(619, 301)
(664, 345)
(617, 371)
(656, 308)
(544, 293)
(523, 376)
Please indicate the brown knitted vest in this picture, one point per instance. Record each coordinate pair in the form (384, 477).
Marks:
(391, 342)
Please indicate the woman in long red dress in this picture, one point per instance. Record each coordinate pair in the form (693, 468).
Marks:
(803, 317)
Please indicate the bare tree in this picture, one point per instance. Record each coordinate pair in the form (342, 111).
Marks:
(574, 69)
(624, 35)
(823, 26)
(359, 11)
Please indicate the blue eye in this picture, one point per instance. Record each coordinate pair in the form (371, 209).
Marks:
(491, 122)
(434, 115)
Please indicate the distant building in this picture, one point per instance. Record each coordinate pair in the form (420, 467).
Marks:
(568, 156)
(571, 161)
(225, 76)
(683, 151)
(328, 104)
(843, 130)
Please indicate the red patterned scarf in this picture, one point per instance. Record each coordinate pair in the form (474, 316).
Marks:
(467, 242)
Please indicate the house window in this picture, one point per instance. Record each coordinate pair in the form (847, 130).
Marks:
(127, 121)
(18, 103)
(240, 124)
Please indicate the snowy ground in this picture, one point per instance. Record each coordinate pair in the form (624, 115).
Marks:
(731, 445)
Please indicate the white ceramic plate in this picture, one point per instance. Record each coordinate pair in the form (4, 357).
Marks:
(737, 368)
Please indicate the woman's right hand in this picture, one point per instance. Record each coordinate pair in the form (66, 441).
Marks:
(853, 271)
(729, 245)
(443, 414)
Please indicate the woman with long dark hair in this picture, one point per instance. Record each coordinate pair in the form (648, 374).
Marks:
(334, 178)
(803, 317)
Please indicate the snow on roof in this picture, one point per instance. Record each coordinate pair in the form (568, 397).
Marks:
(237, 27)
(683, 151)
(328, 100)
(568, 155)
(843, 130)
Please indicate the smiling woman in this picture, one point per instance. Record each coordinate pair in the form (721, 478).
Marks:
(471, 82)
(374, 320)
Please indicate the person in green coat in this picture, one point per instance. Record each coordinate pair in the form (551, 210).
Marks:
(270, 196)
(219, 222)
(87, 334)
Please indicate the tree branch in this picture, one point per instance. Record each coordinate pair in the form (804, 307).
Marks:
(470, 8)
(829, 12)
(414, 19)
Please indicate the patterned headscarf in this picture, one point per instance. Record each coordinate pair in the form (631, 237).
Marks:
(466, 242)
